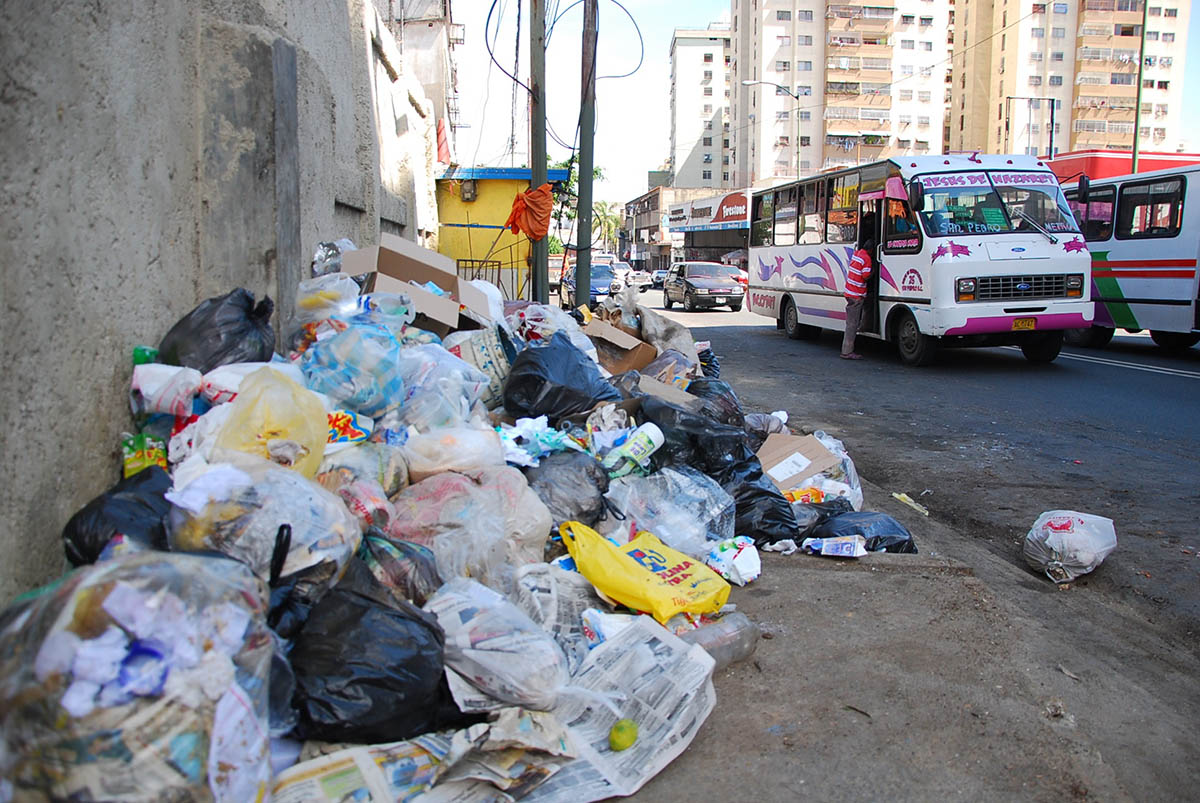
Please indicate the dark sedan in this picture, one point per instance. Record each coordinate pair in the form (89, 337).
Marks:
(703, 285)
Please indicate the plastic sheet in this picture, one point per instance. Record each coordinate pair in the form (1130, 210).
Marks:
(143, 678)
(358, 368)
(572, 485)
(720, 402)
(555, 379)
(882, 532)
(406, 569)
(368, 666)
(377, 462)
(497, 648)
(685, 509)
(224, 329)
(1065, 544)
(457, 449)
(759, 425)
(278, 420)
(134, 508)
(663, 333)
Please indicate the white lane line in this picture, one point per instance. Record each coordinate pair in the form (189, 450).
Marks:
(1120, 364)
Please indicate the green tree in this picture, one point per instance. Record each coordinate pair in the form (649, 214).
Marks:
(606, 222)
(556, 245)
(566, 201)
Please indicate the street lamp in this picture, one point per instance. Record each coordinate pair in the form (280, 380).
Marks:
(795, 111)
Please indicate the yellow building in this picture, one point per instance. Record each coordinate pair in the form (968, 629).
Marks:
(473, 203)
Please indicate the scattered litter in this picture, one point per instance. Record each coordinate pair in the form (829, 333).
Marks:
(1065, 544)
(908, 500)
(1068, 673)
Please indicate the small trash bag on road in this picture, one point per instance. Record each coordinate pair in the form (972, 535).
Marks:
(1066, 544)
(134, 507)
(221, 330)
(883, 533)
(572, 485)
(554, 378)
(368, 666)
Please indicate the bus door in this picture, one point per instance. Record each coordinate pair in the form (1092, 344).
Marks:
(870, 221)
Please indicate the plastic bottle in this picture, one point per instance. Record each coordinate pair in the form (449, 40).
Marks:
(635, 452)
(144, 354)
(732, 638)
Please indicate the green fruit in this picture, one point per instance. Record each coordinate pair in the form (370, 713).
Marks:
(623, 734)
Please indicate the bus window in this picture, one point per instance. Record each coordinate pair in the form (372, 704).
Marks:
(841, 219)
(761, 230)
(810, 217)
(957, 204)
(1096, 219)
(1153, 209)
(1032, 200)
(785, 216)
(900, 233)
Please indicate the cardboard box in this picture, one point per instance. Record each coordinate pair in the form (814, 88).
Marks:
(618, 351)
(790, 459)
(670, 393)
(397, 265)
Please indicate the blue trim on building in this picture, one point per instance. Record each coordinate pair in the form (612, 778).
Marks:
(517, 173)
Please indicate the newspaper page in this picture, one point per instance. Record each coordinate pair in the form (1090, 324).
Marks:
(661, 683)
(556, 599)
(380, 773)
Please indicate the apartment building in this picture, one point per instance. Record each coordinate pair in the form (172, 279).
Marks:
(1029, 77)
(834, 84)
(700, 94)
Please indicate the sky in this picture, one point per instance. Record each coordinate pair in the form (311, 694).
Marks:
(632, 113)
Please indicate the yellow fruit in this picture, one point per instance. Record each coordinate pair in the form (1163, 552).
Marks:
(623, 734)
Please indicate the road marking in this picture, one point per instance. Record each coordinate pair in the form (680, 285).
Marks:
(1118, 363)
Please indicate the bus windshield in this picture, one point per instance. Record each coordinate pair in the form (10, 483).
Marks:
(962, 203)
(1034, 198)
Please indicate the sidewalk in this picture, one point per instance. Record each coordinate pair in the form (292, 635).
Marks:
(917, 677)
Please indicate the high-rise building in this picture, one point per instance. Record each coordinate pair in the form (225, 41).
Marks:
(833, 84)
(1027, 75)
(700, 107)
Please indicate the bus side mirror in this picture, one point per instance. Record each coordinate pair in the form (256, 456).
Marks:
(916, 195)
(1083, 188)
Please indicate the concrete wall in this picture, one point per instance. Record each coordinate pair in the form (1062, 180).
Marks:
(155, 154)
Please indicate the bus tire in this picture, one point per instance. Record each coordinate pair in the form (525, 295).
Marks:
(791, 321)
(1095, 337)
(667, 302)
(1174, 341)
(1044, 349)
(916, 348)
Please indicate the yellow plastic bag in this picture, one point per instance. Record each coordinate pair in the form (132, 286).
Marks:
(276, 419)
(645, 574)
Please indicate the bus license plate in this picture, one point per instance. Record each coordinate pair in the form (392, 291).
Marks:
(1024, 324)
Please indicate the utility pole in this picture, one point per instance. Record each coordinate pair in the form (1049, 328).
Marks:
(587, 132)
(1137, 110)
(539, 250)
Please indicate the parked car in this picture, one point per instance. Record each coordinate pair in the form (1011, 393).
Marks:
(658, 277)
(639, 279)
(703, 285)
(604, 283)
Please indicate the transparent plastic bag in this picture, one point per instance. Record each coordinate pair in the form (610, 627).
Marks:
(491, 352)
(440, 388)
(685, 509)
(378, 462)
(367, 502)
(406, 569)
(841, 480)
(143, 678)
(276, 419)
(222, 383)
(157, 388)
(358, 368)
(497, 648)
(457, 449)
(327, 296)
(238, 509)
(1065, 544)
(527, 521)
(541, 321)
(328, 256)
(572, 485)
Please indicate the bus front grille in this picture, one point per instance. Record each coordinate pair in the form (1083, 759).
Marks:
(1006, 288)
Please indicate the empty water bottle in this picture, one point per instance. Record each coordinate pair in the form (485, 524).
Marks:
(731, 638)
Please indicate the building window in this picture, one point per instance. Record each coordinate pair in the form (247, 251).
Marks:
(904, 143)
(927, 46)
(1150, 61)
(1039, 8)
(783, 15)
(708, 91)
(725, 143)
(1034, 128)
(782, 115)
(1155, 11)
(1056, 80)
(906, 94)
(708, 75)
(924, 97)
(783, 142)
(726, 93)
(708, 58)
(908, 19)
(1151, 36)
(784, 41)
(1060, 8)
(1144, 131)
(1034, 56)
(708, 158)
(926, 71)
(1148, 83)
(905, 119)
(708, 125)
(1058, 33)
(803, 90)
(782, 66)
(908, 44)
(804, 16)
(805, 141)
(781, 90)
(1056, 55)
(724, 177)
(1164, 84)
(1165, 61)
(926, 21)
(1160, 110)
(804, 40)
(923, 121)
(805, 164)
(906, 69)
(805, 116)
(1038, 33)
(1170, 12)
(1121, 79)
(706, 174)
(708, 108)
(1127, 30)
(707, 142)
(1168, 37)
(803, 66)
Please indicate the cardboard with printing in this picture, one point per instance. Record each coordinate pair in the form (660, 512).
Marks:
(397, 265)
(790, 459)
(618, 351)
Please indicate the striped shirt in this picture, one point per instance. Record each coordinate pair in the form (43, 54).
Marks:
(856, 279)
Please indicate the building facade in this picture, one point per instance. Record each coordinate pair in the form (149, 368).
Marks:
(646, 240)
(834, 84)
(1019, 66)
(700, 95)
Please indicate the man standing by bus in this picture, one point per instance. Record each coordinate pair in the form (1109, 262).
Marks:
(856, 288)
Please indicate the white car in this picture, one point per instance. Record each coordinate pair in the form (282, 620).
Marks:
(639, 279)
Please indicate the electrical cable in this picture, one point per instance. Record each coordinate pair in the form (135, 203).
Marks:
(486, 25)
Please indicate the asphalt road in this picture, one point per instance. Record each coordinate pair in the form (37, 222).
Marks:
(988, 441)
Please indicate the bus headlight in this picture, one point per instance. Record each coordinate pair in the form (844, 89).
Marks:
(1075, 285)
(964, 290)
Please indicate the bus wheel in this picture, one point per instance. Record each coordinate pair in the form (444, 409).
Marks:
(1174, 341)
(1095, 337)
(1044, 349)
(916, 349)
(791, 322)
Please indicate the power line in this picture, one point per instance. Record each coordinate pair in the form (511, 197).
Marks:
(491, 54)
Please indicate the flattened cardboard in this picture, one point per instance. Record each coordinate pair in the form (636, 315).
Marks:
(669, 393)
(618, 351)
(790, 459)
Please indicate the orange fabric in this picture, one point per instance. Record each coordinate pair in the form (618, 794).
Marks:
(531, 212)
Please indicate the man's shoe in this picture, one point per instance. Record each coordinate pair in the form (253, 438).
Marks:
(852, 356)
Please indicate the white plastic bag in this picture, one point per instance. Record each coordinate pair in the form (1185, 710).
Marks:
(457, 449)
(157, 388)
(735, 559)
(496, 648)
(841, 480)
(1066, 544)
(221, 384)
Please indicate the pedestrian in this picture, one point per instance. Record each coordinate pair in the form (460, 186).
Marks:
(856, 290)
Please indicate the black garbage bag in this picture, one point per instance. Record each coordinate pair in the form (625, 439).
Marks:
(572, 485)
(134, 507)
(369, 667)
(555, 379)
(720, 402)
(627, 384)
(282, 690)
(810, 515)
(709, 364)
(221, 330)
(759, 425)
(721, 452)
(883, 533)
(406, 569)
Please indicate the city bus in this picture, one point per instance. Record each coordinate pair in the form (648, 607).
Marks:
(972, 251)
(1144, 237)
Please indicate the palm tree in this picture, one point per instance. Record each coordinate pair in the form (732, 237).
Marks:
(606, 222)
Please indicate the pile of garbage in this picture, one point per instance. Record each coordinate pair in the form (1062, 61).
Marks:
(439, 543)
